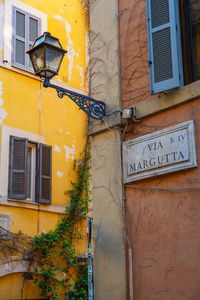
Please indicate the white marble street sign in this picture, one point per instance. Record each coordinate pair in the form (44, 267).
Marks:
(168, 150)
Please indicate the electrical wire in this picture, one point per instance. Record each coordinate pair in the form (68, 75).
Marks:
(135, 120)
(106, 124)
(112, 113)
(114, 127)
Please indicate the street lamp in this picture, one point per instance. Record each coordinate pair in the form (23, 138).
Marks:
(46, 56)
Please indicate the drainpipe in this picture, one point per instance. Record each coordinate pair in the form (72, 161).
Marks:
(126, 239)
(130, 267)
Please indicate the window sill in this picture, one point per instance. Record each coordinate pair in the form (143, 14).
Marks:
(58, 209)
(19, 71)
(151, 106)
(53, 81)
(166, 101)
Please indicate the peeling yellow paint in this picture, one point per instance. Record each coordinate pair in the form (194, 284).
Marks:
(3, 112)
(69, 152)
(81, 74)
(57, 149)
(26, 105)
(60, 174)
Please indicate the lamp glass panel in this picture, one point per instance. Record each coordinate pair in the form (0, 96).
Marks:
(53, 59)
(40, 40)
(38, 59)
(52, 41)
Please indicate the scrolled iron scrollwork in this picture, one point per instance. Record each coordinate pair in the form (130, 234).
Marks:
(97, 110)
(60, 94)
(93, 108)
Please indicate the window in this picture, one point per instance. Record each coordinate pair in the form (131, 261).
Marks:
(167, 69)
(29, 171)
(21, 23)
(26, 28)
(190, 36)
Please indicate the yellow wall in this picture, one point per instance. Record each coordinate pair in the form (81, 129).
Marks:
(26, 105)
(30, 291)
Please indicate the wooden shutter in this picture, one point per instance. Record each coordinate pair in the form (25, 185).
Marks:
(45, 174)
(165, 59)
(17, 168)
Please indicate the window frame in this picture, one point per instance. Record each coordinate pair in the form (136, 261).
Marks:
(25, 40)
(175, 42)
(7, 35)
(180, 65)
(18, 171)
(190, 66)
(6, 132)
(32, 146)
(17, 167)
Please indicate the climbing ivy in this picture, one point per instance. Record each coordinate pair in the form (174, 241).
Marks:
(55, 251)
(80, 290)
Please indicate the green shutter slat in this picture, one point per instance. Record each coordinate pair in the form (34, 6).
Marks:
(45, 174)
(164, 45)
(17, 168)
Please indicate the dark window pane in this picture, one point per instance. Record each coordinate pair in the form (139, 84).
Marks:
(29, 170)
(19, 52)
(195, 19)
(33, 29)
(190, 37)
(20, 24)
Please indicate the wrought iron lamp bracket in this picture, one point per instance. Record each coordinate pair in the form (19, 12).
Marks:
(93, 108)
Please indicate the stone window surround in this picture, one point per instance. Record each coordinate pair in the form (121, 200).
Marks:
(4, 165)
(8, 23)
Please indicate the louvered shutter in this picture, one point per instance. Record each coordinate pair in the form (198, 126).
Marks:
(45, 174)
(165, 59)
(17, 168)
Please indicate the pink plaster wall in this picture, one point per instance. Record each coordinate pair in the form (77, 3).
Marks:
(163, 226)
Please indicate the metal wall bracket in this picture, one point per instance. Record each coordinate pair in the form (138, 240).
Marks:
(93, 108)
